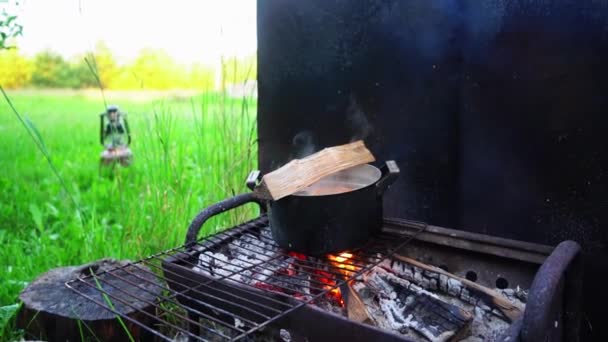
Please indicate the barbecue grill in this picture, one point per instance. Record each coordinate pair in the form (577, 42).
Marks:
(236, 298)
(495, 113)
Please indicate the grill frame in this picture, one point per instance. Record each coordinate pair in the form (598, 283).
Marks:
(222, 300)
(551, 273)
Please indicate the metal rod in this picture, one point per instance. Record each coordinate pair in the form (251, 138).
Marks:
(195, 289)
(253, 270)
(100, 289)
(175, 302)
(256, 291)
(225, 292)
(224, 265)
(283, 253)
(262, 264)
(286, 254)
(245, 293)
(134, 321)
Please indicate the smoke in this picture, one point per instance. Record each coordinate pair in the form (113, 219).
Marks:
(305, 143)
(302, 145)
(357, 121)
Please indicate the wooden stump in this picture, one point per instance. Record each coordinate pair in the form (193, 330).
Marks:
(53, 312)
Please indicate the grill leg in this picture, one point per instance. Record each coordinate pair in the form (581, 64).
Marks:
(193, 328)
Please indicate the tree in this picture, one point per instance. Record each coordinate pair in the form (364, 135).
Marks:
(16, 69)
(201, 77)
(51, 70)
(157, 70)
(9, 29)
(80, 75)
(104, 64)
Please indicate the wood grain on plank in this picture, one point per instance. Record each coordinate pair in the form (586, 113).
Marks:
(300, 173)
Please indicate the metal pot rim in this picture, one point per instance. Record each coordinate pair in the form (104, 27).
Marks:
(365, 175)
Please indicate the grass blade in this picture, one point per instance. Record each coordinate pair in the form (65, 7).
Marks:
(111, 305)
(35, 135)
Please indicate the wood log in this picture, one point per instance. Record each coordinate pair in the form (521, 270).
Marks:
(300, 173)
(53, 312)
(433, 318)
(405, 305)
(491, 297)
(355, 308)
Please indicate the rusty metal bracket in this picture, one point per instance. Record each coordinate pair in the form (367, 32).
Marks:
(552, 314)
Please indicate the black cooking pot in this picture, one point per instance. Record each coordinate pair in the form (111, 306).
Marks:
(337, 213)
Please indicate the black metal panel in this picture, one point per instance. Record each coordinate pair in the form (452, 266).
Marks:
(533, 147)
(332, 71)
(493, 109)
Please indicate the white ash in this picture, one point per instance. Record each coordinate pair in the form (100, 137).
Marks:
(238, 323)
(250, 259)
(378, 293)
(240, 269)
(454, 287)
(488, 323)
(486, 326)
(180, 337)
(245, 259)
(253, 259)
(377, 308)
(253, 247)
(515, 294)
(443, 282)
(285, 335)
(450, 287)
(331, 307)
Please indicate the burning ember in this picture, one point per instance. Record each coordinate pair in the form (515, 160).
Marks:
(395, 294)
(341, 261)
(250, 260)
(297, 255)
(334, 294)
(325, 278)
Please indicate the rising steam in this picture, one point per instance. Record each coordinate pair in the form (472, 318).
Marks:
(357, 121)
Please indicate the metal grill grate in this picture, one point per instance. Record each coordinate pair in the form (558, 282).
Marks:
(231, 303)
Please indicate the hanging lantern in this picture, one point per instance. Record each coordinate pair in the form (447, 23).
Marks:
(115, 137)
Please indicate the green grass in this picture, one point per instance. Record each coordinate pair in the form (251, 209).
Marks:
(189, 152)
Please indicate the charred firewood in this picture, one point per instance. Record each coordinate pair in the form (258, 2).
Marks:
(355, 307)
(406, 306)
(455, 286)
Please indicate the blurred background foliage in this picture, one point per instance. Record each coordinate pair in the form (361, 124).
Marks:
(151, 69)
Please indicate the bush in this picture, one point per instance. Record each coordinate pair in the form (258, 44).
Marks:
(80, 76)
(51, 71)
(235, 70)
(157, 70)
(16, 69)
(152, 69)
(104, 65)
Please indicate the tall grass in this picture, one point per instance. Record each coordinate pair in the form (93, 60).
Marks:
(189, 152)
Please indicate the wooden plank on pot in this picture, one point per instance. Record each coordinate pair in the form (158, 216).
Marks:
(300, 173)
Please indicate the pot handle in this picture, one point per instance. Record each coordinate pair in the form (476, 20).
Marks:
(218, 208)
(390, 172)
(252, 179)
